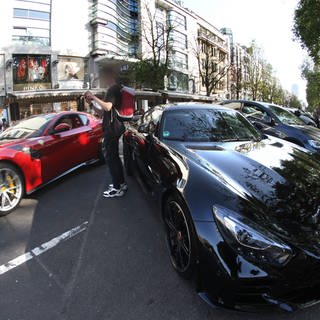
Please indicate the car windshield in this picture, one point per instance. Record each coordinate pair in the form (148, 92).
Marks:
(26, 128)
(285, 116)
(207, 125)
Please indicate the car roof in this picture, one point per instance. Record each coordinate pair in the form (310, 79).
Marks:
(264, 104)
(190, 106)
(55, 114)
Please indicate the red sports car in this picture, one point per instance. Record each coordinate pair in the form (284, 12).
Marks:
(43, 148)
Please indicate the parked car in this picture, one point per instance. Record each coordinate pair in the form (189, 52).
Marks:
(42, 148)
(304, 116)
(277, 121)
(240, 209)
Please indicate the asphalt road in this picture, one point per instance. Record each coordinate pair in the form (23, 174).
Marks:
(117, 268)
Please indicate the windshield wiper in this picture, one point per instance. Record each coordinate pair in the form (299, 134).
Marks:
(174, 139)
(235, 140)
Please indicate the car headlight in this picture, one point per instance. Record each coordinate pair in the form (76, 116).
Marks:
(250, 240)
(314, 144)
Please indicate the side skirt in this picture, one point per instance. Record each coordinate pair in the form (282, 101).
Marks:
(84, 164)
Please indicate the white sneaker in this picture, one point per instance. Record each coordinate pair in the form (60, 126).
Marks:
(112, 192)
(123, 187)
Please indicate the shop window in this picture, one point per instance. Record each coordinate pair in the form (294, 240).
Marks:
(31, 72)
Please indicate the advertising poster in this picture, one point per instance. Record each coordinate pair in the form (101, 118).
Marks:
(70, 72)
(31, 72)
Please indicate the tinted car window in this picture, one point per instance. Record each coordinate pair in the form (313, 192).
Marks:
(285, 116)
(207, 125)
(253, 112)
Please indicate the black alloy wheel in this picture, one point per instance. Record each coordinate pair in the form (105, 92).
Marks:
(180, 237)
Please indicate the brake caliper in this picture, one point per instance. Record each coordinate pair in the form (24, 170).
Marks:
(11, 184)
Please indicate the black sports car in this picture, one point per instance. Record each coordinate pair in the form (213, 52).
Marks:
(277, 121)
(241, 210)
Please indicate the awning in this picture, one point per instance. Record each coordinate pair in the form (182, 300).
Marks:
(187, 97)
(142, 94)
(50, 95)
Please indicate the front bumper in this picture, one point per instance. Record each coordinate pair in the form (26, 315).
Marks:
(226, 279)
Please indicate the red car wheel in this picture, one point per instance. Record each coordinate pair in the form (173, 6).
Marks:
(11, 188)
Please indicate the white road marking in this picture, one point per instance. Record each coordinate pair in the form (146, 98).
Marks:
(42, 248)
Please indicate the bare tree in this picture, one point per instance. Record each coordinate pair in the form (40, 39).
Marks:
(255, 70)
(212, 69)
(156, 35)
(237, 80)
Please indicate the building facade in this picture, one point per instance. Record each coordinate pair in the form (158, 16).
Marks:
(238, 75)
(51, 50)
(187, 32)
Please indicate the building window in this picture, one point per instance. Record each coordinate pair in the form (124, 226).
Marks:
(179, 60)
(31, 14)
(178, 40)
(178, 81)
(176, 19)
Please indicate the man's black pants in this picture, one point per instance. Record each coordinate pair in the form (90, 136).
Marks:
(114, 161)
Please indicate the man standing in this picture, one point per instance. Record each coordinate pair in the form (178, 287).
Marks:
(113, 130)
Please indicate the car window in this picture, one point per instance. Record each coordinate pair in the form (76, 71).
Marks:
(84, 119)
(234, 105)
(207, 125)
(253, 112)
(153, 115)
(285, 116)
(72, 120)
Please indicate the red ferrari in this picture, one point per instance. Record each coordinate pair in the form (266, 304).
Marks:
(43, 148)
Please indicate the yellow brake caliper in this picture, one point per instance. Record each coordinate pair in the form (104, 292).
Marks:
(11, 184)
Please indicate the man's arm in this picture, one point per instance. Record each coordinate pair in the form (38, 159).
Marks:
(107, 106)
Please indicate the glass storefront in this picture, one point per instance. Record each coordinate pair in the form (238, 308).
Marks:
(27, 110)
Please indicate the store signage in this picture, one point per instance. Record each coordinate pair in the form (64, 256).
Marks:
(30, 87)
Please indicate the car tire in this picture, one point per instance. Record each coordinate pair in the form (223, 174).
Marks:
(180, 237)
(128, 160)
(11, 188)
(102, 152)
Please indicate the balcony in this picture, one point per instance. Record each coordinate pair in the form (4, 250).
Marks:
(222, 45)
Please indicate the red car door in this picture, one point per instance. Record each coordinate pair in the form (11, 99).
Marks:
(59, 151)
(87, 140)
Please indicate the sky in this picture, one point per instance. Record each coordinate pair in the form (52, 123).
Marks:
(269, 22)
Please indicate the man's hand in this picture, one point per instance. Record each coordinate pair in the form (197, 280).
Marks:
(88, 96)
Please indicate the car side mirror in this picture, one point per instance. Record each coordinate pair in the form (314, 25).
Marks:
(61, 127)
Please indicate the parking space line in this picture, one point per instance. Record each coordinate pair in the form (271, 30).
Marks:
(42, 248)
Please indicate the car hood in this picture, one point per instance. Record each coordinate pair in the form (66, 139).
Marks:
(10, 142)
(312, 132)
(276, 184)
